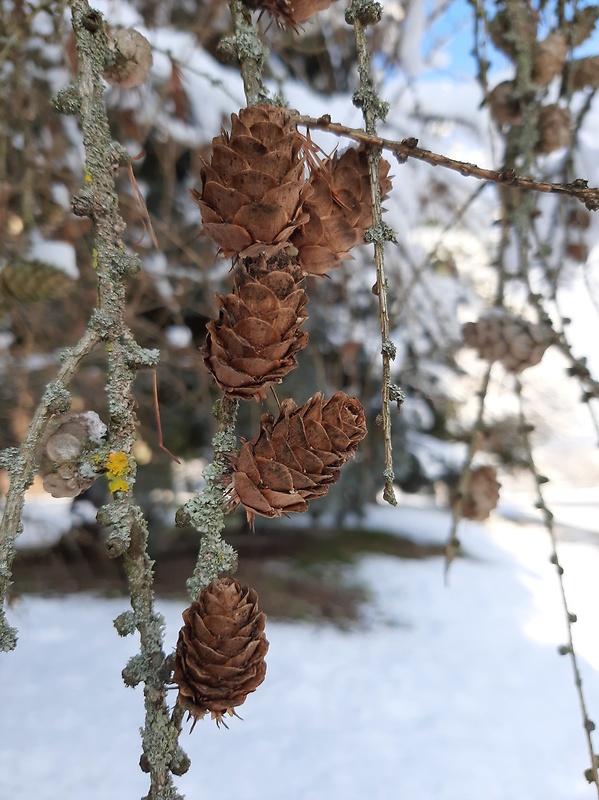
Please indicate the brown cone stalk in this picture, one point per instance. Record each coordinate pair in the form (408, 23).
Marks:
(340, 210)
(253, 189)
(220, 652)
(481, 494)
(295, 459)
(515, 342)
(254, 342)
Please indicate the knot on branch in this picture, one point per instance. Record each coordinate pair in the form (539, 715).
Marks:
(125, 623)
(67, 100)
(389, 349)
(366, 97)
(380, 233)
(366, 12)
(57, 398)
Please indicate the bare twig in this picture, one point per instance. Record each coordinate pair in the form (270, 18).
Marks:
(408, 148)
(570, 618)
(361, 14)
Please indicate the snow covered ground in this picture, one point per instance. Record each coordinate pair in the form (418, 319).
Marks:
(444, 693)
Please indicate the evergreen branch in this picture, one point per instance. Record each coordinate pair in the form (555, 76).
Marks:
(128, 538)
(408, 148)
(360, 14)
(570, 618)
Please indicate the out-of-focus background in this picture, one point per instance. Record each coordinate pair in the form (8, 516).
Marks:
(382, 680)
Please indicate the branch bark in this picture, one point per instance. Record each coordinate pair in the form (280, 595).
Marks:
(408, 148)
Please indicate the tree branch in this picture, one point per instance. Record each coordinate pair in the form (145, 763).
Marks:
(360, 14)
(408, 148)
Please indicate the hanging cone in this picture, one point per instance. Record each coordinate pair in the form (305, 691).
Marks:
(254, 342)
(514, 28)
(295, 459)
(481, 494)
(554, 127)
(220, 652)
(500, 336)
(340, 210)
(548, 58)
(253, 189)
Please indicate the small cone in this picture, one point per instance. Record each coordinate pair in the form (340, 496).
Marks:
(220, 652)
(254, 342)
(481, 494)
(584, 72)
(253, 190)
(295, 459)
(548, 58)
(515, 342)
(505, 109)
(554, 128)
(340, 210)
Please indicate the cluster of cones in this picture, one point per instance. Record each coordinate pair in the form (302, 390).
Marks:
(515, 342)
(280, 213)
(516, 30)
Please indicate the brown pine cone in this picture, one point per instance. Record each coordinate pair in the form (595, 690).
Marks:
(481, 494)
(220, 652)
(515, 342)
(296, 458)
(289, 13)
(548, 58)
(254, 342)
(340, 210)
(554, 128)
(253, 189)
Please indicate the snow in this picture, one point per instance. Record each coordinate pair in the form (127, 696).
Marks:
(60, 255)
(449, 692)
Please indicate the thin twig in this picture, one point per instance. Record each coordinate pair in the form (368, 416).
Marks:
(161, 444)
(568, 649)
(360, 15)
(408, 148)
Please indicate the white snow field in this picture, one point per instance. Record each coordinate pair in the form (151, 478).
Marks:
(450, 692)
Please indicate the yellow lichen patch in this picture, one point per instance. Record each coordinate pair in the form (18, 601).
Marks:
(117, 468)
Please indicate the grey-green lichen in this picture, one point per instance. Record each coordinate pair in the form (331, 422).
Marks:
(365, 11)
(250, 52)
(125, 623)
(205, 510)
(380, 233)
(360, 14)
